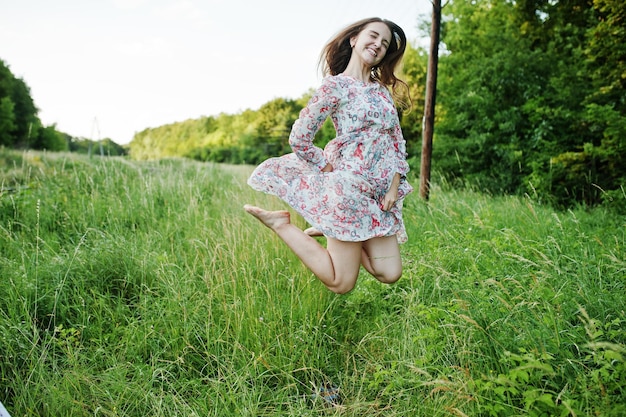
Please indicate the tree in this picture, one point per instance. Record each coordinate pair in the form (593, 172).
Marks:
(7, 107)
(485, 78)
(414, 68)
(27, 123)
(429, 106)
(533, 98)
(7, 121)
(24, 124)
(605, 106)
(50, 139)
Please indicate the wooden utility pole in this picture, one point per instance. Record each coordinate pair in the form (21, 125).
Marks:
(95, 126)
(429, 105)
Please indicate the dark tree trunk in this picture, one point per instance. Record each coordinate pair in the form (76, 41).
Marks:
(429, 105)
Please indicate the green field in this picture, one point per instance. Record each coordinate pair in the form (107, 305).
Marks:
(143, 289)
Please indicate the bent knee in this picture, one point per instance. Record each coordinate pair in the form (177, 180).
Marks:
(343, 285)
(343, 282)
(389, 277)
(342, 288)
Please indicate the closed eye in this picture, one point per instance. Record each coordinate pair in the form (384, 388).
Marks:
(375, 35)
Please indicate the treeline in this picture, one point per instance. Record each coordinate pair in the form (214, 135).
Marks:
(21, 128)
(247, 137)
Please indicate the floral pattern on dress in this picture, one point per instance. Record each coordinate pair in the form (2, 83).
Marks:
(369, 149)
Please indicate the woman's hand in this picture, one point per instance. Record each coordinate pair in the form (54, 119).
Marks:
(391, 196)
(327, 168)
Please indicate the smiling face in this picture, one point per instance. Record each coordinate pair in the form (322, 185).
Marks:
(371, 43)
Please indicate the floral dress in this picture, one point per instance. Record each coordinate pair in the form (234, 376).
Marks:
(345, 204)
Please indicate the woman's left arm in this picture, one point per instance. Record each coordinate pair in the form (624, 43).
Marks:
(399, 187)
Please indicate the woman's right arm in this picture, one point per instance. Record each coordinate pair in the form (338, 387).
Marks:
(323, 102)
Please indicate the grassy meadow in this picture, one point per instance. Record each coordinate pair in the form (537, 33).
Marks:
(143, 289)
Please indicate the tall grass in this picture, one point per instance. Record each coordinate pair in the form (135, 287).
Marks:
(143, 289)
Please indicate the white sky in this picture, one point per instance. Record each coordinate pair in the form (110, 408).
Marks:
(111, 68)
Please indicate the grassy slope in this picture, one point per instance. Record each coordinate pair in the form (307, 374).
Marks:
(143, 289)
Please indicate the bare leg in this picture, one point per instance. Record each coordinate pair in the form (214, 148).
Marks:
(381, 258)
(337, 267)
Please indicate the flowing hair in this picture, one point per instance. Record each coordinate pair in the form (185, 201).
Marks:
(337, 52)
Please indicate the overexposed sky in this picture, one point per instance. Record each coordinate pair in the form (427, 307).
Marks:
(111, 68)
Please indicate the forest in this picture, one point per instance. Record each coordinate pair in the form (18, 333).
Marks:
(530, 101)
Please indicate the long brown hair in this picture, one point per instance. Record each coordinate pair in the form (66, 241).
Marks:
(337, 52)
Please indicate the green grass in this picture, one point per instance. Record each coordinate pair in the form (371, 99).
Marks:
(143, 289)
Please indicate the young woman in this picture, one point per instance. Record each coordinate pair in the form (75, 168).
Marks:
(352, 190)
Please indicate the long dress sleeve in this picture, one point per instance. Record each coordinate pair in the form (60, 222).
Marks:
(323, 102)
(402, 166)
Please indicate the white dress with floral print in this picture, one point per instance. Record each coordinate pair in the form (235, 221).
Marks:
(345, 204)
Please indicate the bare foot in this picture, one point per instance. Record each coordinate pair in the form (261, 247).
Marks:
(312, 231)
(271, 219)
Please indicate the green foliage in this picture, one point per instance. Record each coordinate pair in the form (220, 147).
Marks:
(27, 123)
(414, 68)
(142, 288)
(7, 121)
(605, 51)
(532, 98)
(248, 137)
(104, 147)
(52, 140)
(18, 113)
(485, 80)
